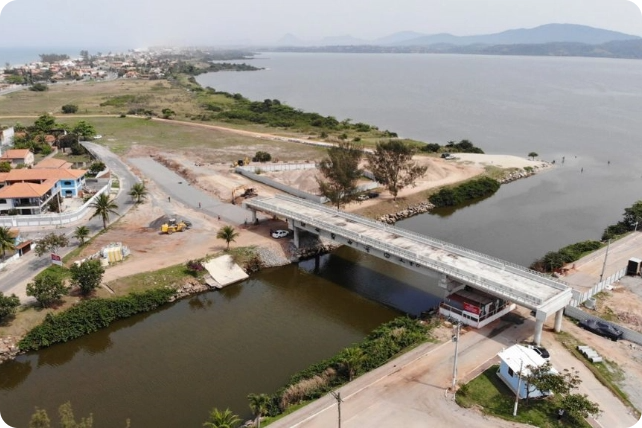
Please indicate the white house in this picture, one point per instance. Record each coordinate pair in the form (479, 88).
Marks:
(518, 358)
(17, 157)
(6, 136)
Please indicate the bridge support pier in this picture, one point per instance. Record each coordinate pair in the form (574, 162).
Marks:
(296, 236)
(253, 216)
(539, 327)
(559, 316)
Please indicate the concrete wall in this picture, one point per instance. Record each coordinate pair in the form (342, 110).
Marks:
(52, 219)
(579, 298)
(280, 186)
(580, 315)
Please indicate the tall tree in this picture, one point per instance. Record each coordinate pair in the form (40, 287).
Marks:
(87, 275)
(228, 234)
(6, 240)
(8, 305)
(259, 405)
(81, 233)
(341, 172)
(138, 192)
(46, 288)
(392, 165)
(44, 123)
(533, 155)
(84, 129)
(103, 206)
(222, 419)
(50, 243)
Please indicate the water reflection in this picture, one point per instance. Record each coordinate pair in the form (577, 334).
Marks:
(14, 373)
(444, 212)
(200, 302)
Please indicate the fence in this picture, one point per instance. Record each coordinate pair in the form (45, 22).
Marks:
(277, 167)
(578, 297)
(580, 315)
(9, 260)
(52, 219)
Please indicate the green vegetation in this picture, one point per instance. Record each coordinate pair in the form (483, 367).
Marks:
(138, 192)
(103, 205)
(473, 189)
(81, 234)
(533, 155)
(489, 392)
(554, 260)
(392, 165)
(47, 288)
(262, 157)
(69, 108)
(50, 243)
(91, 315)
(222, 419)
(341, 173)
(228, 234)
(383, 344)
(87, 275)
(8, 305)
(629, 222)
(6, 240)
(40, 418)
(38, 87)
(464, 146)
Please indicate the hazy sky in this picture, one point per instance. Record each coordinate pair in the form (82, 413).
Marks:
(141, 23)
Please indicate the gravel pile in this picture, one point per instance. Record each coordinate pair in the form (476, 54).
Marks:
(271, 258)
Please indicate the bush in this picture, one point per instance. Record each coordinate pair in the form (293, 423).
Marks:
(8, 305)
(262, 157)
(554, 260)
(473, 189)
(70, 108)
(39, 87)
(91, 315)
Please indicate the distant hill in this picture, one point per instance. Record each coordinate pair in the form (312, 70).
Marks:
(550, 33)
(545, 40)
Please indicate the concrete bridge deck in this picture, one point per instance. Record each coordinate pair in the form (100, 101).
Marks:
(500, 278)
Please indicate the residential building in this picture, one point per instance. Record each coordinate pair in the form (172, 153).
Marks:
(6, 136)
(17, 157)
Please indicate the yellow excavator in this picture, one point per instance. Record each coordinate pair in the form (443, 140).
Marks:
(173, 226)
(248, 192)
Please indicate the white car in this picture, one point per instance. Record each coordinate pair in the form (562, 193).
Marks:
(279, 233)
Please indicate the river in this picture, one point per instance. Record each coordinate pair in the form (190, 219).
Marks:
(169, 367)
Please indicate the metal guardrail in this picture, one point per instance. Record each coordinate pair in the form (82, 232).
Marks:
(475, 255)
(451, 271)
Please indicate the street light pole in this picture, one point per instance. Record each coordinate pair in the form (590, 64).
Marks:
(456, 340)
(337, 396)
(605, 256)
(519, 385)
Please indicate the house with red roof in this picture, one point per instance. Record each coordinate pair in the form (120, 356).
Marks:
(17, 157)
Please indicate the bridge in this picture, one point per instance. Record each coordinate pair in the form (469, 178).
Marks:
(454, 264)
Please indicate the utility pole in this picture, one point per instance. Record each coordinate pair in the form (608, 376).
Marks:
(605, 256)
(519, 385)
(337, 396)
(456, 340)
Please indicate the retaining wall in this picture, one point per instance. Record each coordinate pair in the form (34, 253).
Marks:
(579, 298)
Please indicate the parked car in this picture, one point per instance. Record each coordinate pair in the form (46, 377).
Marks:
(280, 233)
(541, 351)
(363, 197)
(372, 195)
(602, 328)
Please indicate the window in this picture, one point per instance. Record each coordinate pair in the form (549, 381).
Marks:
(511, 373)
(3, 201)
(67, 183)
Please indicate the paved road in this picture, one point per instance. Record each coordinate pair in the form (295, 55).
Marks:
(14, 278)
(178, 189)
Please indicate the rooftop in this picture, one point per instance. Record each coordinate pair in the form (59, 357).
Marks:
(519, 357)
(26, 190)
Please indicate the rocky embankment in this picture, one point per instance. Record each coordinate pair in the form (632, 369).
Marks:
(516, 175)
(310, 246)
(421, 208)
(8, 348)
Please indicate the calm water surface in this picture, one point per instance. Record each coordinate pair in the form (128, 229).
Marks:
(585, 109)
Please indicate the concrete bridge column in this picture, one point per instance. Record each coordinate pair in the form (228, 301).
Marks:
(559, 316)
(539, 326)
(296, 237)
(253, 216)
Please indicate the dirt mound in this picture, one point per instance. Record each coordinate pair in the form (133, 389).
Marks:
(156, 224)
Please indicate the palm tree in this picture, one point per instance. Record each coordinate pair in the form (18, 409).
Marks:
(6, 240)
(224, 419)
(228, 234)
(104, 206)
(259, 406)
(353, 359)
(81, 233)
(138, 192)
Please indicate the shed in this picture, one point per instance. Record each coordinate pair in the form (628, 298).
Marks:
(633, 267)
(518, 358)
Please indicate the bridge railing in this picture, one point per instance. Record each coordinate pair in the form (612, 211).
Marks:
(410, 256)
(475, 255)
